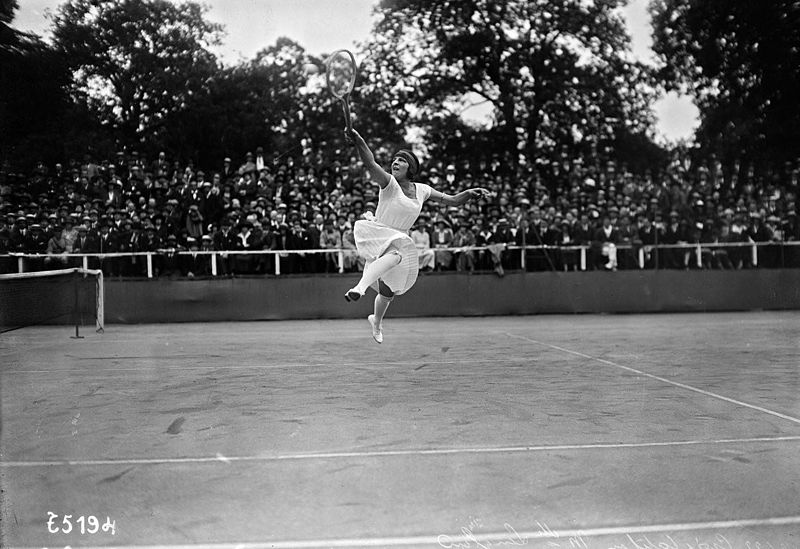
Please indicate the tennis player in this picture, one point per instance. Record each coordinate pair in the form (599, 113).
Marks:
(382, 238)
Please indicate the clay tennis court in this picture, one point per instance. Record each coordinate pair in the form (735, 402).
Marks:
(648, 431)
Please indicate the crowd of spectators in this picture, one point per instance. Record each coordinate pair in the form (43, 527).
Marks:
(307, 202)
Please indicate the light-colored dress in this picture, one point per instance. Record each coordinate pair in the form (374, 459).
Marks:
(393, 218)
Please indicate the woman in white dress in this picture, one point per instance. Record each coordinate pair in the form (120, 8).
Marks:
(392, 261)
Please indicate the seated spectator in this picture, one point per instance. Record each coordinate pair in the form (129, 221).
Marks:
(422, 241)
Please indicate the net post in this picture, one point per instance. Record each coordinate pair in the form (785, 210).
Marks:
(583, 258)
(213, 264)
(149, 265)
(522, 258)
(100, 306)
(641, 258)
(699, 257)
(341, 260)
(85, 262)
(77, 313)
(277, 264)
(20, 265)
(755, 255)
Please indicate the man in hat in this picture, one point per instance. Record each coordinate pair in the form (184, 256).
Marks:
(225, 240)
(19, 234)
(464, 239)
(442, 238)
(84, 243)
(674, 233)
(605, 243)
(212, 205)
(297, 238)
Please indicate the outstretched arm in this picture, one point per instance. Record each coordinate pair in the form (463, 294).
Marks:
(461, 198)
(377, 173)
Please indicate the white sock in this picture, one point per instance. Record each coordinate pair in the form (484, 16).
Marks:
(376, 269)
(381, 304)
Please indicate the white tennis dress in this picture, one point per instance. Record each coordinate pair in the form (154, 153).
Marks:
(393, 218)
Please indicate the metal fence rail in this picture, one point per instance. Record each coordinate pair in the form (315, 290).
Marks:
(640, 252)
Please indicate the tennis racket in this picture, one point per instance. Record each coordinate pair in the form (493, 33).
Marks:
(341, 77)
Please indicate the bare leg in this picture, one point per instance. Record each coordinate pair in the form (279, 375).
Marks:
(382, 301)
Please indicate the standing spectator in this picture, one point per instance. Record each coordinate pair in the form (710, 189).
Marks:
(628, 236)
(212, 199)
(352, 260)
(151, 242)
(170, 256)
(758, 232)
(224, 241)
(83, 243)
(297, 239)
(316, 262)
(113, 195)
(330, 238)
(107, 244)
(19, 234)
(605, 242)
(245, 241)
(442, 238)
(422, 241)
(492, 256)
(194, 222)
(673, 258)
(583, 235)
(465, 240)
(568, 258)
(125, 246)
(69, 233)
(648, 238)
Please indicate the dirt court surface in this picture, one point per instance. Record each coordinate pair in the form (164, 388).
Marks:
(557, 432)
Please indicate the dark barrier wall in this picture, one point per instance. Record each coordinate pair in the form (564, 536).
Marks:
(144, 301)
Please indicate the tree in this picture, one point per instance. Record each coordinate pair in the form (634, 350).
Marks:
(138, 63)
(558, 74)
(740, 60)
(33, 99)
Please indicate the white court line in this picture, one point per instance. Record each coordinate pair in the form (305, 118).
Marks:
(162, 368)
(662, 379)
(391, 453)
(505, 538)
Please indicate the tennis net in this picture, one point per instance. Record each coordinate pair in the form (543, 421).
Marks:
(67, 296)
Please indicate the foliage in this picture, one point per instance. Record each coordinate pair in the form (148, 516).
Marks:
(140, 63)
(740, 60)
(558, 73)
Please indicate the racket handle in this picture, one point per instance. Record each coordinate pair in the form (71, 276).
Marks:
(346, 109)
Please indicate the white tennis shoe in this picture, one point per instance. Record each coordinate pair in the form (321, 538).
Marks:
(377, 335)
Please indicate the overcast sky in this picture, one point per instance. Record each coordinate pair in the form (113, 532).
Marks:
(322, 26)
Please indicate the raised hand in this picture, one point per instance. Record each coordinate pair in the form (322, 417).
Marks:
(480, 192)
